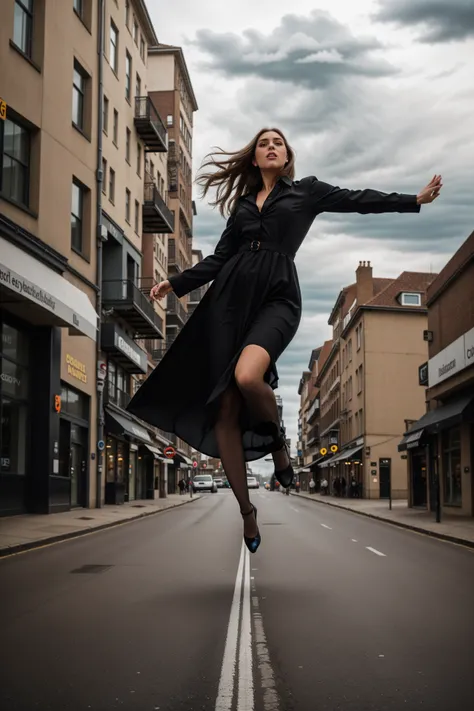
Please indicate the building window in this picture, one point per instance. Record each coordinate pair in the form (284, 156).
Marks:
(350, 350)
(112, 186)
(142, 48)
(79, 7)
(128, 138)
(139, 159)
(77, 217)
(15, 165)
(104, 176)
(113, 49)
(128, 76)
(137, 216)
(359, 336)
(78, 95)
(23, 26)
(135, 30)
(127, 14)
(451, 443)
(128, 199)
(105, 115)
(115, 129)
(138, 86)
(411, 299)
(169, 120)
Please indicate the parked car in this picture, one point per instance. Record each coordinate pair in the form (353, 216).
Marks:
(204, 482)
(252, 482)
(219, 483)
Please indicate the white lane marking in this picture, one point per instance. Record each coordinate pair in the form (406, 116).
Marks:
(245, 698)
(374, 550)
(270, 696)
(225, 693)
(354, 540)
(292, 507)
(324, 526)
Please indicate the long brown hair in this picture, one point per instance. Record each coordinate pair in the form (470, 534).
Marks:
(236, 175)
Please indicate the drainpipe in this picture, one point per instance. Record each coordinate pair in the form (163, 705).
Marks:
(99, 241)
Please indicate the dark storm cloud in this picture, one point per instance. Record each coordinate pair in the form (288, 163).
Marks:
(439, 20)
(314, 52)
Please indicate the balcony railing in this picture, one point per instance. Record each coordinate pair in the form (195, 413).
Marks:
(176, 261)
(175, 311)
(127, 300)
(313, 409)
(149, 125)
(116, 396)
(157, 217)
(196, 295)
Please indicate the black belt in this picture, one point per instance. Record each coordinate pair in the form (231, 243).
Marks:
(255, 246)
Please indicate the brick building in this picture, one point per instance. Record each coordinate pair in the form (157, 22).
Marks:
(440, 445)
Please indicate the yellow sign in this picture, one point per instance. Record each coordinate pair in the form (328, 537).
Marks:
(76, 369)
(334, 448)
(3, 109)
(323, 451)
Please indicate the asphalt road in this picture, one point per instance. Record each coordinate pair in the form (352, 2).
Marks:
(335, 611)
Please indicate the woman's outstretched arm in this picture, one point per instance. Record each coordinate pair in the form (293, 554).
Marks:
(207, 270)
(329, 198)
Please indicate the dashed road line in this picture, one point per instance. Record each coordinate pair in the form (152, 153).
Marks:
(293, 509)
(374, 550)
(324, 526)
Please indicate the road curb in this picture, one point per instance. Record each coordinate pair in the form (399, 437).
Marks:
(400, 524)
(31, 545)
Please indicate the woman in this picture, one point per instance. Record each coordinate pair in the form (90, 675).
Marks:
(214, 387)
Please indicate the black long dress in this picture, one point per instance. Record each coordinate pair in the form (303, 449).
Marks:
(255, 298)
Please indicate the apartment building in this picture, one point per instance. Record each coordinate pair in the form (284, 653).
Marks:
(196, 295)
(172, 93)
(48, 291)
(381, 323)
(80, 203)
(439, 446)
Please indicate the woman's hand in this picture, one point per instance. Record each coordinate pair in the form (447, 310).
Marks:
(431, 191)
(160, 290)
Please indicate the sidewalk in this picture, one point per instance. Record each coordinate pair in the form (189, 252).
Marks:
(452, 528)
(19, 533)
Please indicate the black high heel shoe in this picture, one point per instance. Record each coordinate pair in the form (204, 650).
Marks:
(252, 543)
(270, 429)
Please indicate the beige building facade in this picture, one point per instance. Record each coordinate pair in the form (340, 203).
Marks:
(379, 326)
(84, 223)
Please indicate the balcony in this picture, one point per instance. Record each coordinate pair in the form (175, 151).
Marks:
(176, 261)
(313, 409)
(116, 396)
(127, 300)
(196, 295)
(149, 125)
(176, 314)
(157, 217)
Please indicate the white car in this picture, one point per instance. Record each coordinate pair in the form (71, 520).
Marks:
(252, 482)
(219, 483)
(204, 482)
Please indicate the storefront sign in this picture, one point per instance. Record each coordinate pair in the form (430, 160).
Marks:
(423, 375)
(76, 369)
(112, 229)
(3, 110)
(132, 351)
(452, 359)
(118, 343)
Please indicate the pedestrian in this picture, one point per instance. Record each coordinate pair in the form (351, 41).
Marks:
(250, 313)
(312, 485)
(182, 486)
(324, 486)
(343, 486)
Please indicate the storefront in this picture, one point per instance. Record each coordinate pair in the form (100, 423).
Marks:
(37, 304)
(131, 459)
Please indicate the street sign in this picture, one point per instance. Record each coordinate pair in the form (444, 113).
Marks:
(101, 445)
(3, 110)
(323, 451)
(204, 465)
(170, 452)
(334, 448)
(195, 464)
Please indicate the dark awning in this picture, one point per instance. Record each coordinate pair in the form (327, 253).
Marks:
(346, 455)
(411, 441)
(451, 413)
(119, 424)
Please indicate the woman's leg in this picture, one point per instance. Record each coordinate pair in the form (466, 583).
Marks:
(229, 442)
(249, 376)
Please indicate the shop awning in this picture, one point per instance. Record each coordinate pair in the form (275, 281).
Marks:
(118, 424)
(181, 458)
(41, 295)
(451, 413)
(157, 453)
(411, 441)
(347, 454)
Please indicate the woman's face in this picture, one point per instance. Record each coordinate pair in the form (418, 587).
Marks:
(270, 152)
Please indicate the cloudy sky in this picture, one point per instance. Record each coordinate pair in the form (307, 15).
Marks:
(373, 93)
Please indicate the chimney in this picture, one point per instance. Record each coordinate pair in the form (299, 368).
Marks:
(365, 283)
